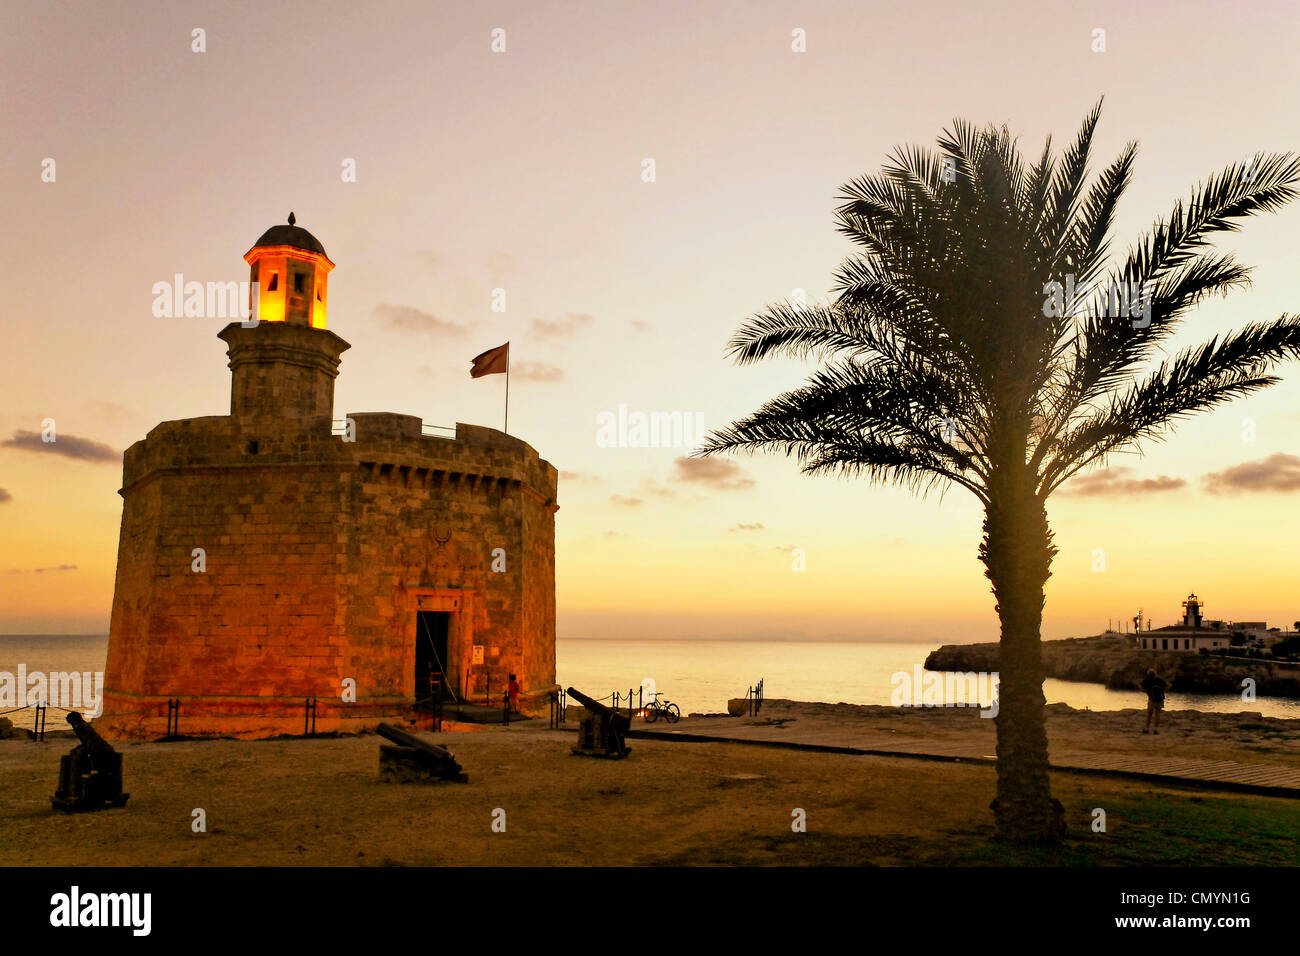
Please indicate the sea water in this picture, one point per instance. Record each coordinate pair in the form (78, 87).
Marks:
(701, 675)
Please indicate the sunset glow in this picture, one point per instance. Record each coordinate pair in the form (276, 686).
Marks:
(523, 173)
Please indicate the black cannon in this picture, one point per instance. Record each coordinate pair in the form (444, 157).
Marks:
(90, 777)
(415, 759)
(601, 730)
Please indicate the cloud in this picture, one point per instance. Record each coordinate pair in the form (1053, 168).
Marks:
(562, 328)
(714, 472)
(747, 527)
(70, 446)
(626, 501)
(652, 487)
(1278, 472)
(5, 496)
(1114, 481)
(582, 477)
(407, 318)
(58, 567)
(537, 372)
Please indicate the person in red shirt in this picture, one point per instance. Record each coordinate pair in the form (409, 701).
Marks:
(513, 690)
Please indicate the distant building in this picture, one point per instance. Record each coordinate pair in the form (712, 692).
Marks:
(1195, 633)
(1191, 636)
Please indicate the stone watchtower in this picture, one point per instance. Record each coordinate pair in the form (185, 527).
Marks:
(266, 560)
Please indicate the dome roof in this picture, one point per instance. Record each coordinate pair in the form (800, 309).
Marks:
(291, 235)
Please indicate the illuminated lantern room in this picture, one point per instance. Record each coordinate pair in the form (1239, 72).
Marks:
(289, 276)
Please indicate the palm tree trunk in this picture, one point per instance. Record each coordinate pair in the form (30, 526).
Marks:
(1017, 552)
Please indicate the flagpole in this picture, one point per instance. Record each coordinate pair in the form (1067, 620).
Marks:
(506, 427)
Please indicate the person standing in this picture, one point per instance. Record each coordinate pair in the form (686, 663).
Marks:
(513, 690)
(1155, 688)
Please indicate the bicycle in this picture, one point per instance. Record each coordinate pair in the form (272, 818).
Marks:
(671, 712)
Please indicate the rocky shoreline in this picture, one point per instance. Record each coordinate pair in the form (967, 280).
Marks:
(1112, 660)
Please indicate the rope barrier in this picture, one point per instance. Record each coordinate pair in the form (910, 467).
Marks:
(17, 710)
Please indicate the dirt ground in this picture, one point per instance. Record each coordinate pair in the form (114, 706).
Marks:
(320, 802)
(1245, 737)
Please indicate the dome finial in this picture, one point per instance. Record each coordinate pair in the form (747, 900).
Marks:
(292, 218)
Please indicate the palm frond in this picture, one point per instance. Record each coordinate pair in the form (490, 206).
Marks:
(1195, 380)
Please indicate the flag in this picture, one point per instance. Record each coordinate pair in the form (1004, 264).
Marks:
(491, 362)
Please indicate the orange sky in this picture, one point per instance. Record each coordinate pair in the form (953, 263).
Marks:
(523, 171)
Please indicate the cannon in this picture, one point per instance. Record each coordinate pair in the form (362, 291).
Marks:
(601, 730)
(90, 776)
(413, 759)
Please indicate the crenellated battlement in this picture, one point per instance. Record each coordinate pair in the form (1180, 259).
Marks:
(383, 444)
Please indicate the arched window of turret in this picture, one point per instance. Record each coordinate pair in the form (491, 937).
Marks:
(275, 282)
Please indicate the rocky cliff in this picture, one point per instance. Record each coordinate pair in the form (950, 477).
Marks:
(1112, 659)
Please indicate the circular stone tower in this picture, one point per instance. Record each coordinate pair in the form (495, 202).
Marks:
(276, 556)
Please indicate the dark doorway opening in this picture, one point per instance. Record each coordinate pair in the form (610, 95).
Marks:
(431, 653)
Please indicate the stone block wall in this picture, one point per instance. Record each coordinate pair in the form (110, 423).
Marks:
(317, 554)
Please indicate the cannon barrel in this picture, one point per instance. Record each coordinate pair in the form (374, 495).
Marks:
(94, 744)
(415, 759)
(596, 707)
(402, 738)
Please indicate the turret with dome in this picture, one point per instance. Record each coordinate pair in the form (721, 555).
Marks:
(289, 276)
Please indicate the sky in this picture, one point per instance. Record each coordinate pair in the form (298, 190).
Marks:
(525, 171)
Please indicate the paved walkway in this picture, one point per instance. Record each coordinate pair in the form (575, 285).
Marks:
(1262, 778)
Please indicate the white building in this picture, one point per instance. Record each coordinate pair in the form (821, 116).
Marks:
(1194, 634)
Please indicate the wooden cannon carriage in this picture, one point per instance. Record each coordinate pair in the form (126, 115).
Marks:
(90, 776)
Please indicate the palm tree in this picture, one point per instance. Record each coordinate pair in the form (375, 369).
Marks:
(951, 356)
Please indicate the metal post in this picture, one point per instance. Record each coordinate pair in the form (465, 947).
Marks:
(173, 717)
